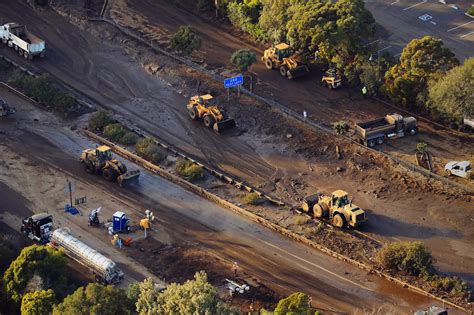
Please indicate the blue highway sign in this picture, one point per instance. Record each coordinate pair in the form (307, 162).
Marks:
(230, 82)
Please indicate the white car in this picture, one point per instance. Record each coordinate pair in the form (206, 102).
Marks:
(461, 169)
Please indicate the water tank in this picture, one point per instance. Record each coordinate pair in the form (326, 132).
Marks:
(101, 265)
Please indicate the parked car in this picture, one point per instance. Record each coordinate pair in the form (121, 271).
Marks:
(459, 168)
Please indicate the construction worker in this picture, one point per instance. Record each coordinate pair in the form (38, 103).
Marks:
(364, 91)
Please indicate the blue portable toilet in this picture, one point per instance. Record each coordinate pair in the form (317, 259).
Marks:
(120, 222)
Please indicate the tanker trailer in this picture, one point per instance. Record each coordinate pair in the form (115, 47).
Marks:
(105, 270)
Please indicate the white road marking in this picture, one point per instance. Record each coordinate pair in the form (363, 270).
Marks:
(425, 17)
(384, 48)
(372, 42)
(394, 2)
(452, 29)
(417, 4)
(399, 54)
(467, 34)
(433, 22)
(317, 266)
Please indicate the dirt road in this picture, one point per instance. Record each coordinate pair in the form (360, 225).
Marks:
(100, 70)
(36, 172)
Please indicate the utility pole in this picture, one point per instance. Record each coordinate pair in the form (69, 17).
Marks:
(69, 185)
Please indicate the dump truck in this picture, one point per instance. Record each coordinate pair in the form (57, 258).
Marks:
(100, 161)
(38, 227)
(203, 107)
(105, 270)
(5, 109)
(280, 57)
(337, 208)
(378, 131)
(25, 43)
(331, 79)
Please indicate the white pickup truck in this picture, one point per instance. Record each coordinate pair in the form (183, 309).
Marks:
(25, 43)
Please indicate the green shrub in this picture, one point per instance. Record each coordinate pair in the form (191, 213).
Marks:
(38, 303)
(185, 40)
(410, 257)
(297, 303)
(251, 198)
(341, 127)
(147, 149)
(129, 138)
(243, 59)
(300, 219)
(99, 120)
(470, 11)
(189, 170)
(454, 286)
(114, 132)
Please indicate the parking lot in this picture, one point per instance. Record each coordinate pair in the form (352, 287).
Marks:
(404, 20)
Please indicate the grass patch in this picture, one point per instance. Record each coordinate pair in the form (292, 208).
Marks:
(251, 198)
(470, 11)
(453, 286)
(147, 149)
(42, 90)
(189, 170)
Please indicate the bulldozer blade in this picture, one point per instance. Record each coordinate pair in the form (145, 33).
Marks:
(298, 72)
(129, 178)
(224, 125)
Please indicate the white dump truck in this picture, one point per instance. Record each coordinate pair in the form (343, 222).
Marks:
(25, 43)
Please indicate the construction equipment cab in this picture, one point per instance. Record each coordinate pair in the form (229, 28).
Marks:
(331, 79)
(280, 57)
(203, 107)
(337, 208)
(100, 161)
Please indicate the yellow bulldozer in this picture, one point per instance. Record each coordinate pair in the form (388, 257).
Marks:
(280, 57)
(331, 79)
(100, 161)
(337, 208)
(203, 107)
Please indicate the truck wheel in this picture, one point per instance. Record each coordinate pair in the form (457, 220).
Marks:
(448, 172)
(26, 55)
(193, 113)
(380, 141)
(283, 71)
(90, 168)
(413, 131)
(109, 174)
(209, 121)
(338, 221)
(371, 143)
(4, 41)
(269, 64)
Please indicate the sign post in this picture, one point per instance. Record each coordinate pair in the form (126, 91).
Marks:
(231, 82)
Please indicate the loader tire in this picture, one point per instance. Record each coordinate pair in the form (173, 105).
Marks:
(269, 64)
(320, 211)
(283, 71)
(371, 143)
(338, 221)
(90, 168)
(209, 121)
(193, 113)
(109, 174)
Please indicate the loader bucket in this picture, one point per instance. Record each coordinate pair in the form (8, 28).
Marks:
(297, 72)
(129, 178)
(224, 125)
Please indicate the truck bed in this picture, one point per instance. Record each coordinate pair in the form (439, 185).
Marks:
(376, 123)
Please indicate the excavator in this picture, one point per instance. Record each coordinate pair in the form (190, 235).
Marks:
(280, 57)
(202, 107)
(100, 161)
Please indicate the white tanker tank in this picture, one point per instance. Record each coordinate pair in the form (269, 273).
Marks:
(104, 268)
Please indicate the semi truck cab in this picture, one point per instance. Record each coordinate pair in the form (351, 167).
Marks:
(38, 227)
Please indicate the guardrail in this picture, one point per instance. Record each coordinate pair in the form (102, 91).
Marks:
(291, 113)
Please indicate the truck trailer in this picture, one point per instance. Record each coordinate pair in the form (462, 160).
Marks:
(380, 130)
(25, 43)
(39, 227)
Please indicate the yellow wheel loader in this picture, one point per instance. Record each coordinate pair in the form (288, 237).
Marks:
(331, 79)
(202, 107)
(337, 208)
(100, 161)
(280, 57)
